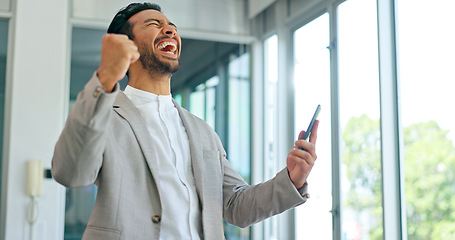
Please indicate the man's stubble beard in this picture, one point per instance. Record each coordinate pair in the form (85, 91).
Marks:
(152, 64)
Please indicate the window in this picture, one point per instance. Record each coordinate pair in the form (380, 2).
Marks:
(239, 115)
(3, 49)
(312, 87)
(426, 60)
(238, 147)
(197, 101)
(358, 75)
(203, 100)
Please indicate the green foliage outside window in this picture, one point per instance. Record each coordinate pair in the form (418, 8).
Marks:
(430, 182)
(362, 156)
(429, 176)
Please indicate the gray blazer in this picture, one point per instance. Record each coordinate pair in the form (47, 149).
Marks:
(105, 141)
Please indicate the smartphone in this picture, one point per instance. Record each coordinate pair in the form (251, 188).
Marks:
(310, 127)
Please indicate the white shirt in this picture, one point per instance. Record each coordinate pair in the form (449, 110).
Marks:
(181, 212)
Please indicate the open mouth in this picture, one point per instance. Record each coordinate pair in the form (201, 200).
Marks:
(168, 47)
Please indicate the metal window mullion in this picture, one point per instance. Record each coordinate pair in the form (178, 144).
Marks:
(392, 188)
(205, 101)
(285, 110)
(335, 123)
(6, 121)
(221, 108)
(257, 125)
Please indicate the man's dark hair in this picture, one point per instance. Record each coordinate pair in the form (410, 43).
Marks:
(120, 22)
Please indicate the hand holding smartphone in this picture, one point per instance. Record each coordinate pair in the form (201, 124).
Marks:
(310, 127)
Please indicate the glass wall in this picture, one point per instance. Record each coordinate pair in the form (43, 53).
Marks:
(358, 81)
(426, 51)
(3, 50)
(239, 115)
(203, 100)
(425, 61)
(312, 87)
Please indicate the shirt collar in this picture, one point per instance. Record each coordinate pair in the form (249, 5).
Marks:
(140, 97)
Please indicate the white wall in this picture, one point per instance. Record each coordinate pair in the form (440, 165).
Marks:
(35, 109)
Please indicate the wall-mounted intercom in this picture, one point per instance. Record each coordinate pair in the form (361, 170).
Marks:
(35, 177)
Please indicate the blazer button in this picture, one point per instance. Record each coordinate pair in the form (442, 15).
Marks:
(98, 91)
(156, 219)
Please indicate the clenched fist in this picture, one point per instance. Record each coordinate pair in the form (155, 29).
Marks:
(117, 54)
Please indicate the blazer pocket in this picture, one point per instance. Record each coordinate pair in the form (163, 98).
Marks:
(100, 233)
(212, 161)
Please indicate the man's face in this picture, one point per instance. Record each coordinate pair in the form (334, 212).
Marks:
(157, 40)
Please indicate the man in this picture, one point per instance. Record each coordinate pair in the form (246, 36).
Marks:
(161, 172)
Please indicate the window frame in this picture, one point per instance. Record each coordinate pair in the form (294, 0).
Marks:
(7, 16)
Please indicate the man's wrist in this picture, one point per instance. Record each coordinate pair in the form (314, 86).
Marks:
(296, 185)
(108, 85)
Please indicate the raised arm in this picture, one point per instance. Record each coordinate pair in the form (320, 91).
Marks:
(78, 154)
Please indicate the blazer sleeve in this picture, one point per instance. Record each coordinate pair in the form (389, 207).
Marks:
(78, 153)
(245, 205)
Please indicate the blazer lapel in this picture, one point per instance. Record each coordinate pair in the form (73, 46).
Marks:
(211, 210)
(126, 109)
(194, 136)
